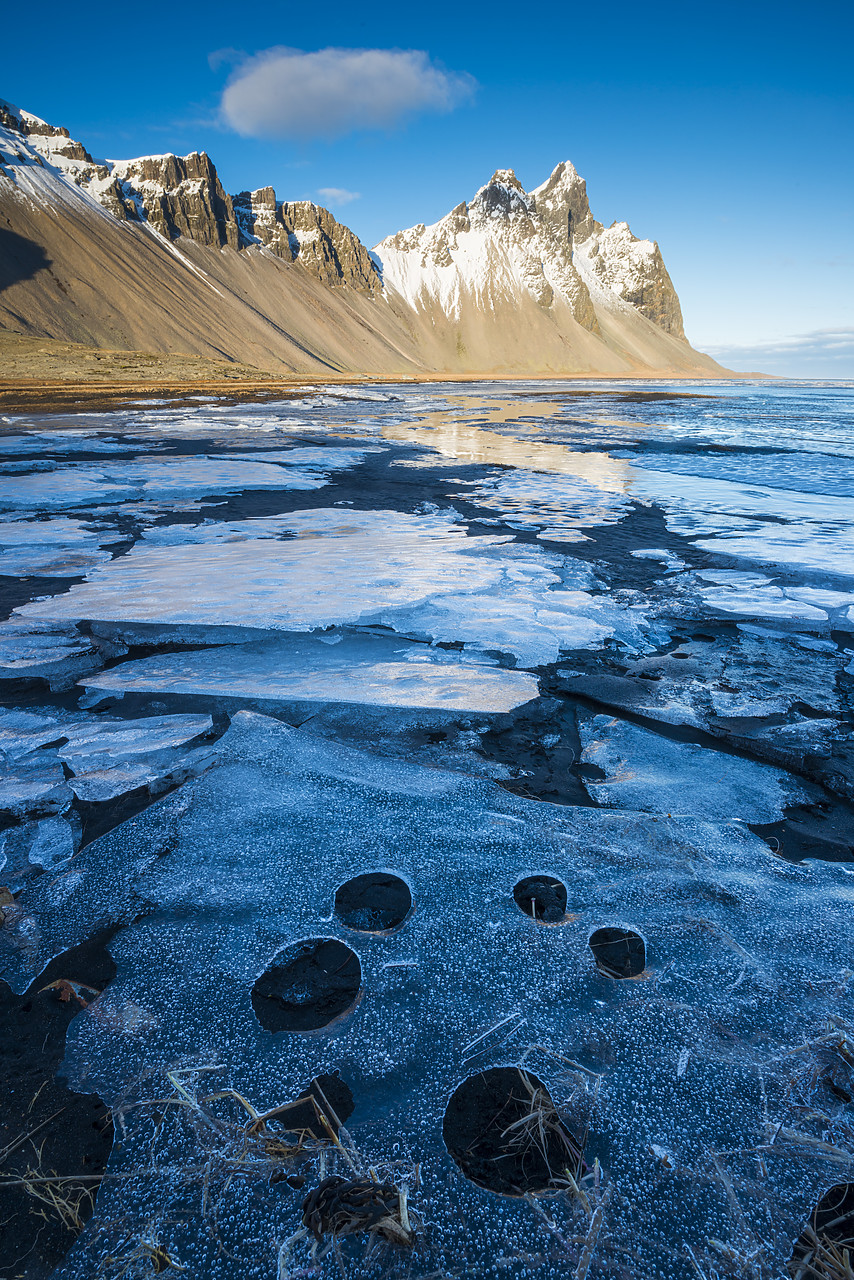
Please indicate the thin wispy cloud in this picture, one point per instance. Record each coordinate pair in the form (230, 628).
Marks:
(288, 93)
(338, 195)
(824, 353)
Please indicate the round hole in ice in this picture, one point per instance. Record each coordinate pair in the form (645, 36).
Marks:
(619, 953)
(376, 902)
(502, 1129)
(828, 1234)
(307, 986)
(542, 897)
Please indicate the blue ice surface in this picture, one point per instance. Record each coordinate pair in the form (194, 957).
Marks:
(747, 962)
(686, 1075)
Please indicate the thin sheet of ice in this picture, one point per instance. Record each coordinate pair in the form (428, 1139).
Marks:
(341, 567)
(644, 770)
(374, 670)
(167, 479)
(57, 548)
(47, 844)
(560, 503)
(64, 442)
(419, 575)
(109, 758)
(763, 602)
(726, 517)
(33, 785)
(55, 652)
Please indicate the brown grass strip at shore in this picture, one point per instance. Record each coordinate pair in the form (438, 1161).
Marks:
(43, 375)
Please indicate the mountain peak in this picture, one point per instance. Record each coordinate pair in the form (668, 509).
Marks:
(505, 178)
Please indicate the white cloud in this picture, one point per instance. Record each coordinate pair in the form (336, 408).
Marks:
(286, 93)
(338, 195)
(824, 353)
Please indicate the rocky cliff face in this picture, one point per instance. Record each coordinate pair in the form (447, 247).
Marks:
(545, 243)
(327, 248)
(259, 216)
(179, 196)
(300, 231)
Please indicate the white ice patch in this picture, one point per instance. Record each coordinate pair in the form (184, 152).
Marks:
(807, 531)
(171, 479)
(419, 575)
(57, 548)
(654, 774)
(372, 670)
(671, 562)
(763, 602)
(561, 504)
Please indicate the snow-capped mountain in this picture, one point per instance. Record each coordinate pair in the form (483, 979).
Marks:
(545, 244)
(128, 253)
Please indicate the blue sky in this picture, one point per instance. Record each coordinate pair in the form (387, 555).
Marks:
(724, 132)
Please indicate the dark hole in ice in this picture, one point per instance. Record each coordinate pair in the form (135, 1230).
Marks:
(828, 1235)
(502, 1129)
(618, 952)
(542, 897)
(350, 1206)
(374, 902)
(328, 1096)
(307, 986)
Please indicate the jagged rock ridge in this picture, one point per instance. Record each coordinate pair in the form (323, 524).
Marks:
(300, 231)
(545, 243)
(183, 196)
(153, 254)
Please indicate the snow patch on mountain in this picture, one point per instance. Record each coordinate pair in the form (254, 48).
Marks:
(508, 242)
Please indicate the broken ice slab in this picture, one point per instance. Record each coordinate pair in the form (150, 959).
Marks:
(374, 670)
(419, 575)
(47, 844)
(764, 602)
(33, 785)
(64, 442)
(294, 585)
(167, 479)
(109, 758)
(799, 529)
(647, 771)
(57, 548)
(744, 956)
(670, 561)
(24, 731)
(56, 653)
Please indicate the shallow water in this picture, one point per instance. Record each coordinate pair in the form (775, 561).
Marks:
(462, 634)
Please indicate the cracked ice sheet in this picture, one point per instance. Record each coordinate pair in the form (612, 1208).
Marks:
(646, 771)
(694, 1059)
(371, 670)
(110, 758)
(169, 479)
(56, 653)
(817, 532)
(106, 757)
(57, 548)
(419, 575)
(64, 442)
(559, 506)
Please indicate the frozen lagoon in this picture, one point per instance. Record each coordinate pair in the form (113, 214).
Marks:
(597, 635)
